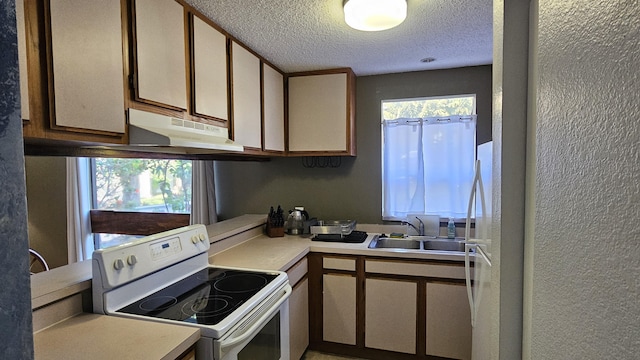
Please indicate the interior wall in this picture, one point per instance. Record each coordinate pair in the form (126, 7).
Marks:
(47, 207)
(586, 258)
(510, 64)
(353, 190)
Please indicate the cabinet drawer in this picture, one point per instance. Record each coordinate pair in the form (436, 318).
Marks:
(297, 271)
(415, 269)
(339, 264)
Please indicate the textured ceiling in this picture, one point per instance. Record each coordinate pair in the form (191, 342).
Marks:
(302, 35)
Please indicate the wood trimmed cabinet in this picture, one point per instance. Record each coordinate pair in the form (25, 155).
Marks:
(321, 113)
(210, 61)
(87, 63)
(382, 308)
(273, 111)
(159, 49)
(191, 84)
(67, 98)
(298, 309)
(246, 102)
(257, 102)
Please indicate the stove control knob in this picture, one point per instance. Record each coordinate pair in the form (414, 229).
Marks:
(202, 237)
(132, 260)
(118, 264)
(194, 239)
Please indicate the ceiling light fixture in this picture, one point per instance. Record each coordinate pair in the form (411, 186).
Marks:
(374, 15)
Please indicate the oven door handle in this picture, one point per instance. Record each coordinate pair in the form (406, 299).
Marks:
(239, 337)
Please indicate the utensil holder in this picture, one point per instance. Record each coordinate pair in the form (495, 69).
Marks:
(275, 231)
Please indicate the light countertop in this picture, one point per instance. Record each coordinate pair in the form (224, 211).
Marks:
(280, 253)
(91, 336)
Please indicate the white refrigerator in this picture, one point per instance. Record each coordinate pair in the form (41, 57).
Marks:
(478, 278)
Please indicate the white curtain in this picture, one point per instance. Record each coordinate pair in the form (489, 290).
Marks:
(203, 195)
(428, 166)
(79, 237)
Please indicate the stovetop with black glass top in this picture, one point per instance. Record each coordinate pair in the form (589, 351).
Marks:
(204, 298)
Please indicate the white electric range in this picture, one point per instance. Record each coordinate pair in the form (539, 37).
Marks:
(166, 277)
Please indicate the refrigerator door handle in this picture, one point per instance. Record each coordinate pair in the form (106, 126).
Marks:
(472, 244)
(467, 272)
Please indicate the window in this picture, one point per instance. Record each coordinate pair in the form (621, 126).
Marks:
(138, 185)
(142, 185)
(428, 153)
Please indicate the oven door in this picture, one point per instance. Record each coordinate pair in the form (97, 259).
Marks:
(263, 335)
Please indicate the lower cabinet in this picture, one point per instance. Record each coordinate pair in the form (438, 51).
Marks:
(298, 309)
(380, 308)
(391, 315)
(299, 319)
(188, 355)
(339, 309)
(448, 321)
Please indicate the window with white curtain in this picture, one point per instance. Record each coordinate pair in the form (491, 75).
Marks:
(428, 153)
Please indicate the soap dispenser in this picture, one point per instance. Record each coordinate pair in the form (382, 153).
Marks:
(451, 229)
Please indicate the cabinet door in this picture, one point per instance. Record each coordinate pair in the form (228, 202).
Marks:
(299, 319)
(448, 321)
(391, 315)
(160, 52)
(321, 118)
(273, 109)
(87, 64)
(245, 84)
(210, 71)
(339, 309)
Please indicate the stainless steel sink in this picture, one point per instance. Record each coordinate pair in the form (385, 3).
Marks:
(443, 245)
(417, 243)
(393, 243)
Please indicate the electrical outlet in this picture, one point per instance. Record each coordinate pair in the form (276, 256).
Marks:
(431, 224)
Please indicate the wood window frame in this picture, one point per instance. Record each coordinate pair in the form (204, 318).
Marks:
(135, 223)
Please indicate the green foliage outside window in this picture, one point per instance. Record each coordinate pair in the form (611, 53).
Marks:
(142, 185)
(432, 107)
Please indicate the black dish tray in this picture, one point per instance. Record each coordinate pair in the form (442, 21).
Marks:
(354, 237)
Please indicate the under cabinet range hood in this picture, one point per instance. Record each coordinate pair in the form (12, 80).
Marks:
(154, 132)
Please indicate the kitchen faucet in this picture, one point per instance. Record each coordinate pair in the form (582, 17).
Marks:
(419, 230)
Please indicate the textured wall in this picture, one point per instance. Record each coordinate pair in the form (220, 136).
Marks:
(15, 296)
(353, 190)
(47, 207)
(586, 255)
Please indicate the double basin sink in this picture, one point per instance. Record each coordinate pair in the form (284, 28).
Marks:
(417, 243)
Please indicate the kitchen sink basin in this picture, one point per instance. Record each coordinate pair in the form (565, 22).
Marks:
(443, 245)
(417, 243)
(393, 243)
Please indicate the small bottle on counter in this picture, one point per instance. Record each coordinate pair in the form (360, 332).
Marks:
(451, 229)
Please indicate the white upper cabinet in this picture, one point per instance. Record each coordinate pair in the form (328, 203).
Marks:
(273, 109)
(87, 64)
(246, 105)
(321, 113)
(210, 71)
(160, 53)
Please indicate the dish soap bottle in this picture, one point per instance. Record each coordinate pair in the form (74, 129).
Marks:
(451, 229)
